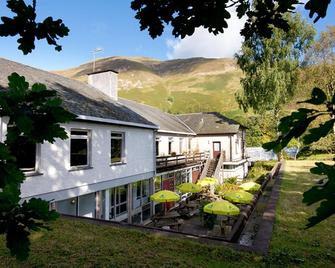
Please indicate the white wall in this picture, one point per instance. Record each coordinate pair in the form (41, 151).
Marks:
(164, 144)
(205, 143)
(55, 161)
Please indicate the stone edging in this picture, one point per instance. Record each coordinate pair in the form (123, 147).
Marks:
(263, 237)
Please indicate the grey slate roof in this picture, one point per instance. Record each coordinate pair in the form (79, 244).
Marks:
(166, 122)
(210, 123)
(79, 98)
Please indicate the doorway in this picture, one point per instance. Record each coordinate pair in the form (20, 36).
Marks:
(216, 149)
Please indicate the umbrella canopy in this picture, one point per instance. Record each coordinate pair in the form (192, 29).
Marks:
(207, 181)
(189, 188)
(239, 196)
(165, 196)
(222, 207)
(250, 186)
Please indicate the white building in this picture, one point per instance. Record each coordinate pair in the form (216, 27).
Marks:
(224, 138)
(106, 167)
(119, 152)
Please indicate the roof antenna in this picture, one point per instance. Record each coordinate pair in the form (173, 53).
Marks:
(95, 51)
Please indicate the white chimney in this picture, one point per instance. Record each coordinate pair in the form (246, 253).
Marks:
(105, 81)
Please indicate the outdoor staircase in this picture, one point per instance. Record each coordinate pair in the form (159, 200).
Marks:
(211, 167)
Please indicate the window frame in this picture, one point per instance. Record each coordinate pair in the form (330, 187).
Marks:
(88, 138)
(123, 148)
(36, 169)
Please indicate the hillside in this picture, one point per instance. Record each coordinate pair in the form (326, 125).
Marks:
(177, 86)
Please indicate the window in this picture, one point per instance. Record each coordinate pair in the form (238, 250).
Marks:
(170, 145)
(118, 201)
(80, 143)
(117, 145)
(157, 146)
(237, 144)
(229, 166)
(25, 152)
(158, 183)
(180, 145)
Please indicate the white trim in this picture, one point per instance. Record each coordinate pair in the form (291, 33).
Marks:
(176, 132)
(116, 122)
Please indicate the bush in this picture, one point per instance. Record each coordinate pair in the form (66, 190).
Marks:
(232, 180)
(226, 187)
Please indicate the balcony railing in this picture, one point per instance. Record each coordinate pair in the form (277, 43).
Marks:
(169, 162)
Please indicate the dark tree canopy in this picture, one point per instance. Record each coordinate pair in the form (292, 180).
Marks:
(24, 24)
(187, 15)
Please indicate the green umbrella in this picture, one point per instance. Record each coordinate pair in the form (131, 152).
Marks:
(165, 196)
(222, 207)
(207, 181)
(250, 186)
(189, 188)
(239, 196)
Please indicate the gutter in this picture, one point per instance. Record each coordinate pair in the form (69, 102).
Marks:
(176, 132)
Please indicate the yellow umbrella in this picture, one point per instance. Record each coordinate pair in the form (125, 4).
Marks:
(189, 188)
(239, 196)
(222, 207)
(165, 196)
(207, 181)
(250, 186)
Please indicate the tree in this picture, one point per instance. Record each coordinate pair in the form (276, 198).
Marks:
(24, 24)
(34, 113)
(270, 66)
(260, 129)
(187, 15)
(325, 144)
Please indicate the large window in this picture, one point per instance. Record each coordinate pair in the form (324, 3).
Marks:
(25, 153)
(80, 146)
(117, 148)
(118, 201)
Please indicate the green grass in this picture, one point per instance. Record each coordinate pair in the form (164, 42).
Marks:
(317, 157)
(291, 243)
(79, 244)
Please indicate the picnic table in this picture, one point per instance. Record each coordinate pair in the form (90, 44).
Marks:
(171, 215)
(170, 223)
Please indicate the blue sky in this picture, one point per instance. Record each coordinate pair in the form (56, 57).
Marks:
(111, 25)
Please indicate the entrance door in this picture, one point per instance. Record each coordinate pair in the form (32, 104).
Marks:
(216, 149)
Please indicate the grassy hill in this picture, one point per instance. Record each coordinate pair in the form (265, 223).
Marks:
(177, 86)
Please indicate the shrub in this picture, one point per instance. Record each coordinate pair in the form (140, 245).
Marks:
(232, 180)
(226, 187)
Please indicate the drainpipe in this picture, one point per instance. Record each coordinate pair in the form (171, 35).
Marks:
(231, 149)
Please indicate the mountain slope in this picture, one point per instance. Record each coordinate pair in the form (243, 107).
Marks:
(177, 86)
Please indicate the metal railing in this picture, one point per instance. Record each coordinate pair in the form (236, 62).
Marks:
(219, 165)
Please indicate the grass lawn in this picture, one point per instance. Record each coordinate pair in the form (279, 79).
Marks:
(78, 244)
(291, 243)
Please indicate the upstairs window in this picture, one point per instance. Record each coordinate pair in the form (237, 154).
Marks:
(25, 153)
(117, 147)
(80, 143)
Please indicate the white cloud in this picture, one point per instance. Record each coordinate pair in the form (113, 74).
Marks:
(205, 44)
